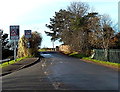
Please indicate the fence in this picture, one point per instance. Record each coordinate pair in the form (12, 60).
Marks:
(113, 55)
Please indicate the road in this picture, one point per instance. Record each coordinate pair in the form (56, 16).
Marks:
(60, 72)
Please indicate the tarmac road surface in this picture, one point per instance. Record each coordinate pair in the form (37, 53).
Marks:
(60, 72)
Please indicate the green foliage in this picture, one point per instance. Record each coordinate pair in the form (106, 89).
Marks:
(5, 45)
(80, 29)
(7, 53)
(42, 50)
(76, 54)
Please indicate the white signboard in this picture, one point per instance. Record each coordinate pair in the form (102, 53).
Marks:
(14, 32)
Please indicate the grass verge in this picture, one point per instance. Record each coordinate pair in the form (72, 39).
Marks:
(12, 62)
(117, 65)
(85, 58)
(75, 54)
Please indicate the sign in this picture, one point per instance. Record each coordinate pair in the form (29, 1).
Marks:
(14, 32)
(27, 33)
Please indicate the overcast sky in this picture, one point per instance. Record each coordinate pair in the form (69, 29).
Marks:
(34, 14)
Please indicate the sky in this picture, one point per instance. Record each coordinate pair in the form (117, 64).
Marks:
(34, 14)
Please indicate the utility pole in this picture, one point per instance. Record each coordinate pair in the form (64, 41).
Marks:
(53, 46)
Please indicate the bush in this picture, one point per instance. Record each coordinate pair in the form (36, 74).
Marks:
(76, 54)
(31, 50)
(7, 53)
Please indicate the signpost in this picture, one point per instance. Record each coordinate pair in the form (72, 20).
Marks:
(28, 35)
(14, 35)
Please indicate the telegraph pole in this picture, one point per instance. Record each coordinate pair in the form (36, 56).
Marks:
(53, 45)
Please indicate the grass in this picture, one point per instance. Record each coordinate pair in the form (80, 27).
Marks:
(12, 62)
(102, 62)
(82, 56)
(42, 50)
(75, 54)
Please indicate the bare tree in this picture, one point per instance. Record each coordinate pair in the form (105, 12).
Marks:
(104, 33)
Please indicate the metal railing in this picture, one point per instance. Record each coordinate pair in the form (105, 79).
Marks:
(5, 60)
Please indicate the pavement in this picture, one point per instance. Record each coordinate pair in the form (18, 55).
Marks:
(19, 65)
(30, 79)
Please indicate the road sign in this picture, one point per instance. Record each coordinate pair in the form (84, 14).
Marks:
(14, 32)
(27, 33)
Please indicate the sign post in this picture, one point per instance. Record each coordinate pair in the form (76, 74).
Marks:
(14, 35)
(28, 36)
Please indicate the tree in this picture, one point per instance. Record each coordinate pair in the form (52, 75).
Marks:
(4, 45)
(65, 25)
(83, 27)
(32, 49)
(117, 42)
(80, 29)
(104, 33)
